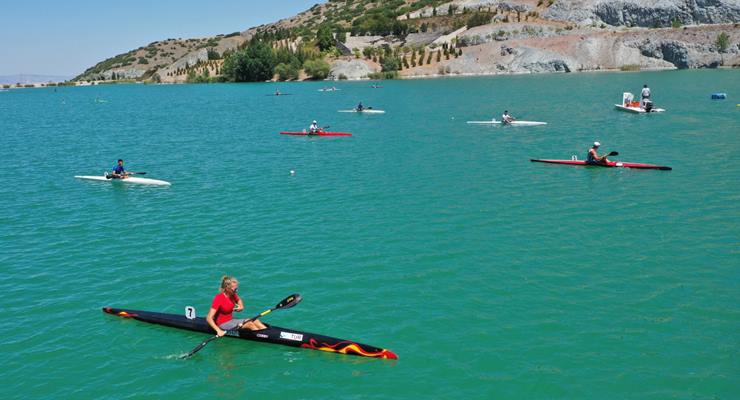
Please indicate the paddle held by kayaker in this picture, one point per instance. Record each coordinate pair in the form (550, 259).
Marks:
(224, 304)
(593, 156)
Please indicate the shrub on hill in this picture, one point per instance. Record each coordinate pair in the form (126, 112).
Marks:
(316, 69)
(478, 19)
(287, 71)
(391, 64)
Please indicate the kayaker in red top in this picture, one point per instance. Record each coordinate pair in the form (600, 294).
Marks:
(224, 304)
(593, 156)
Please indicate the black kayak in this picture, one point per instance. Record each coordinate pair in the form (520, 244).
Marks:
(273, 334)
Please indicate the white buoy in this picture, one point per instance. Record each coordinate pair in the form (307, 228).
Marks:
(292, 172)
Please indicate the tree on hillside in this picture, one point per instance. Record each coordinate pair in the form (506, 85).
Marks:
(255, 63)
(722, 43)
(391, 64)
(324, 37)
(213, 54)
(341, 36)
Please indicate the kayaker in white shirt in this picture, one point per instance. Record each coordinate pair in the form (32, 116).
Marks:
(506, 118)
(314, 128)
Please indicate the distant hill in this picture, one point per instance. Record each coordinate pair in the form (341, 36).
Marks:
(410, 38)
(25, 79)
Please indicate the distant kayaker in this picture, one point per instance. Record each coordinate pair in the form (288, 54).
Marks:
(224, 304)
(644, 95)
(277, 92)
(593, 156)
(506, 118)
(118, 171)
(360, 107)
(314, 128)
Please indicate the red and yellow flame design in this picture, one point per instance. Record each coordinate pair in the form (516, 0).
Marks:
(123, 314)
(347, 347)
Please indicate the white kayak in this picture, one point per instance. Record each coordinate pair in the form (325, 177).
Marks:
(637, 110)
(131, 179)
(329, 90)
(512, 123)
(364, 111)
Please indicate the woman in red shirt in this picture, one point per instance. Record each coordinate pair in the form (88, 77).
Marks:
(227, 301)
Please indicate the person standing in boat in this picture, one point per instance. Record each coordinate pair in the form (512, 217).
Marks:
(644, 95)
(506, 118)
(119, 172)
(593, 156)
(224, 304)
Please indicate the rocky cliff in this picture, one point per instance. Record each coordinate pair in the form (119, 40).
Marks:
(646, 13)
(473, 37)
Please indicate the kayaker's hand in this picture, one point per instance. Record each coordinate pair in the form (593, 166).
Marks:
(220, 332)
(238, 308)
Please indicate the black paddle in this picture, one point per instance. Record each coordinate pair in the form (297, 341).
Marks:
(130, 173)
(287, 302)
(613, 153)
(322, 129)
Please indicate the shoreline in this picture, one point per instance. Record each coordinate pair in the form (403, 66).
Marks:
(334, 81)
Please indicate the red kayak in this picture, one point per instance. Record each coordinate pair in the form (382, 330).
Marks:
(613, 164)
(322, 133)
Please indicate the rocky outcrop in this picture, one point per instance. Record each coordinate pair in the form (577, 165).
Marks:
(590, 50)
(645, 13)
(680, 54)
(351, 69)
(123, 73)
(188, 61)
(461, 6)
(490, 33)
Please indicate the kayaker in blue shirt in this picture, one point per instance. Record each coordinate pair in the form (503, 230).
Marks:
(593, 156)
(118, 171)
(360, 107)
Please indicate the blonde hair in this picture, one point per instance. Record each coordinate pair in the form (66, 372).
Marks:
(226, 282)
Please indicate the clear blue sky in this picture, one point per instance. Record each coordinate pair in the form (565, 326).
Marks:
(55, 37)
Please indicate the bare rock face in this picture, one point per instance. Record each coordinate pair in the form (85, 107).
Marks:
(352, 69)
(521, 59)
(123, 73)
(535, 60)
(682, 55)
(646, 13)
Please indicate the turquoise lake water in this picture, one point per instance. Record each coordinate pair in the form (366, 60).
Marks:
(490, 276)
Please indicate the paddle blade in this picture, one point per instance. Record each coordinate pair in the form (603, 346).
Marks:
(199, 347)
(139, 173)
(289, 301)
(613, 153)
